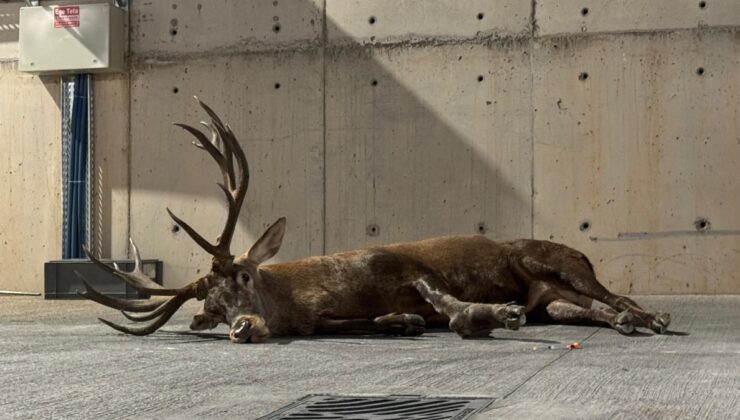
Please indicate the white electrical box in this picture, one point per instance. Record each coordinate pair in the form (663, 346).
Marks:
(72, 38)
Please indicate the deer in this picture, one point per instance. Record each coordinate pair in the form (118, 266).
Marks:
(469, 284)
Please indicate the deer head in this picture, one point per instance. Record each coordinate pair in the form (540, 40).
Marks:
(228, 288)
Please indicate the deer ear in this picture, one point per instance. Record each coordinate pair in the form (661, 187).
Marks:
(268, 245)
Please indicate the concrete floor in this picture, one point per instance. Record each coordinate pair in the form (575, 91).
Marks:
(59, 362)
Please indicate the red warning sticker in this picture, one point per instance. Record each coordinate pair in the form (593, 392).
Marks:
(67, 16)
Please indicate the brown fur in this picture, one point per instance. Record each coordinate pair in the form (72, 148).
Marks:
(463, 281)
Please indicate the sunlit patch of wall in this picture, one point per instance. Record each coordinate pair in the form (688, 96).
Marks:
(611, 126)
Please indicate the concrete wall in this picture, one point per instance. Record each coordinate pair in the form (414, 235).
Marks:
(372, 121)
(30, 166)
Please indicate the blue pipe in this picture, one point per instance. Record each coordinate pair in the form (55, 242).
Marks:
(76, 199)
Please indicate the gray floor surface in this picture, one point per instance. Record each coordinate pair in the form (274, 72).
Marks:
(59, 362)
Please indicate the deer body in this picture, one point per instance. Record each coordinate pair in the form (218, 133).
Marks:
(468, 279)
(373, 282)
(469, 283)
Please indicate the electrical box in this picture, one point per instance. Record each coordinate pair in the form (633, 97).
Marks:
(61, 282)
(72, 38)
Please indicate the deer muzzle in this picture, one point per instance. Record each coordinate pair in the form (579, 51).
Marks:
(249, 329)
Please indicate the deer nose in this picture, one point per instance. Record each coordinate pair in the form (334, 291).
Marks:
(242, 329)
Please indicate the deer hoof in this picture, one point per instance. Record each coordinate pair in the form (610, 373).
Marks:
(660, 323)
(415, 325)
(624, 323)
(513, 316)
(410, 325)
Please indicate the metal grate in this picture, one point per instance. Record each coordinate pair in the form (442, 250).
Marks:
(397, 407)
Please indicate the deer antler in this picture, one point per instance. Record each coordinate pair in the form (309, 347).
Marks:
(162, 310)
(229, 156)
(225, 150)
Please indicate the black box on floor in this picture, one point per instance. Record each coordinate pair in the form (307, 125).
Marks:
(60, 281)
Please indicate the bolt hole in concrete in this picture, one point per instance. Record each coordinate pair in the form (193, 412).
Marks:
(700, 71)
(480, 78)
(583, 76)
(175, 229)
(374, 82)
(702, 5)
(373, 230)
(585, 226)
(277, 85)
(372, 20)
(480, 16)
(702, 224)
(584, 11)
(276, 28)
(175, 90)
(481, 228)
(173, 31)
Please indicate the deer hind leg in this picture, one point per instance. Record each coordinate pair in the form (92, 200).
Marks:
(656, 321)
(391, 324)
(566, 312)
(470, 319)
(564, 305)
(579, 274)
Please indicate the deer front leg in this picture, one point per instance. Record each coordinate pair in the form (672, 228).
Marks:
(471, 319)
(391, 324)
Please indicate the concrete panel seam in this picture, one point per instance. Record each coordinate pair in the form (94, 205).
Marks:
(533, 24)
(492, 40)
(534, 28)
(606, 36)
(167, 59)
(642, 236)
(128, 139)
(324, 38)
(699, 29)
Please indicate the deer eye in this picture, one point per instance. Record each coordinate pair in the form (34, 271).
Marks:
(243, 277)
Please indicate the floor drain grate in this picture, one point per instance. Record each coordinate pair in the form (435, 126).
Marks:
(397, 407)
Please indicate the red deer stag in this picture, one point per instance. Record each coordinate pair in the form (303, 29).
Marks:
(464, 282)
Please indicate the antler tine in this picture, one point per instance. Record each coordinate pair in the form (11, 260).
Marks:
(120, 304)
(162, 310)
(203, 242)
(215, 140)
(138, 266)
(209, 147)
(228, 171)
(145, 317)
(167, 311)
(231, 145)
(232, 151)
(228, 157)
(138, 280)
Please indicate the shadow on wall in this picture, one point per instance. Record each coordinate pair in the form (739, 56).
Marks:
(357, 144)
